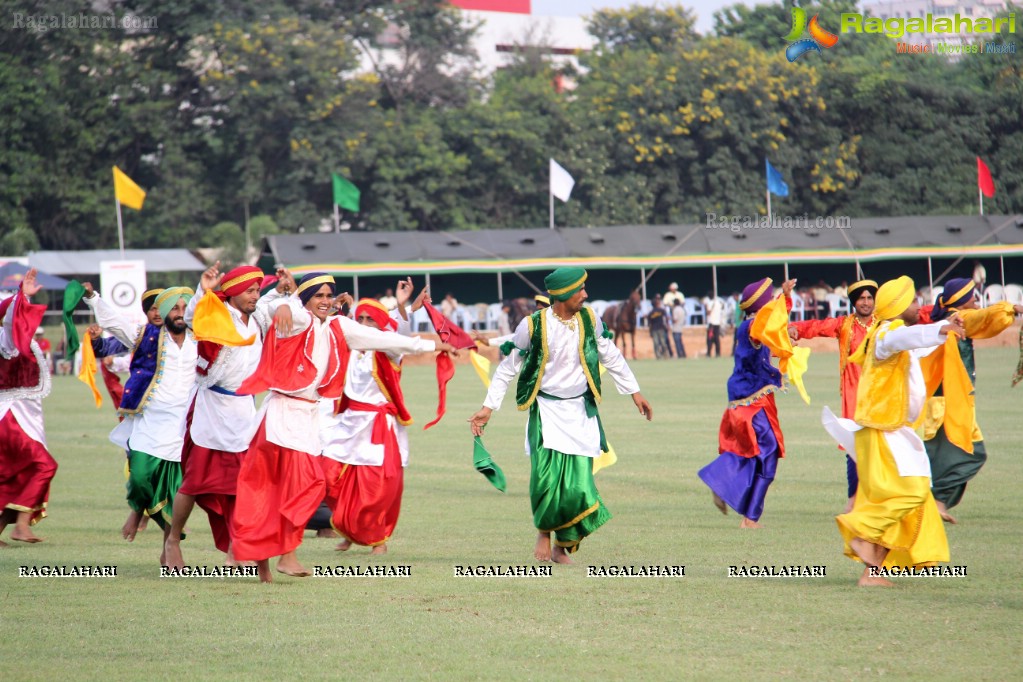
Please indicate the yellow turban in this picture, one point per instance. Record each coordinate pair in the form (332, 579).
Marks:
(894, 297)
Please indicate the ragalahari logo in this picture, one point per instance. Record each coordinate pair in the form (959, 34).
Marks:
(818, 36)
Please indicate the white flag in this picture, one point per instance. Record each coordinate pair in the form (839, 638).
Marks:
(561, 182)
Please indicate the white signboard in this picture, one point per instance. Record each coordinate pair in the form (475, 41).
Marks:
(122, 283)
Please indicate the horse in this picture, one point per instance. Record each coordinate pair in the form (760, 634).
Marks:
(621, 319)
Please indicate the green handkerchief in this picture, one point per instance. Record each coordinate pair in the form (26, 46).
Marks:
(486, 466)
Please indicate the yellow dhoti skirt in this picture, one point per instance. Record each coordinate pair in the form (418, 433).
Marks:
(896, 512)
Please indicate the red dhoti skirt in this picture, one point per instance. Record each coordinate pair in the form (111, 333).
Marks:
(366, 499)
(278, 492)
(26, 469)
(211, 477)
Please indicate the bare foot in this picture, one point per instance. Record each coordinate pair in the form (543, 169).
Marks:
(24, 535)
(868, 552)
(143, 522)
(131, 526)
(849, 505)
(749, 523)
(288, 564)
(867, 580)
(172, 555)
(379, 549)
(560, 556)
(327, 533)
(542, 551)
(343, 546)
(942, 510)
(263, 568)
(719, 503)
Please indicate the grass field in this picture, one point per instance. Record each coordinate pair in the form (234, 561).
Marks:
(569, 626)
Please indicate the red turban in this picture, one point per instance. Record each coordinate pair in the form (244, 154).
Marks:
(237, 281)
(376, 310)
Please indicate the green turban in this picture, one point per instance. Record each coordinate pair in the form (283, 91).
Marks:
(169, 298)
(563, 283)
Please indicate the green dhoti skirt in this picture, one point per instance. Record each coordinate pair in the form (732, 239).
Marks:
(152, 485)
(952, 467)
(561, 489)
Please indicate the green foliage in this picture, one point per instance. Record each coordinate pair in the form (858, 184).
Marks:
(18, 241)
(235, 108)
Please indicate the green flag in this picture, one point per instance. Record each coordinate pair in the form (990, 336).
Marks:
(485, 465)
(346, 195)
(72, 295)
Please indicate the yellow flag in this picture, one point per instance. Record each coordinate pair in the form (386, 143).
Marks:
(605, 459)
(88, 371)
(795, 368)
(126, 191)
(213, 322)
(481, 365)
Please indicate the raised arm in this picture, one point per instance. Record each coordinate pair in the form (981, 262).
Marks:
(112, 319)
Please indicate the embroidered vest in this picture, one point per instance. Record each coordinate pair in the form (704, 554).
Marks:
(145, 369)
(531, 375)
(882, 398)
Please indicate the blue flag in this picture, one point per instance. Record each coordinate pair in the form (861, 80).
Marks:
(775, 184)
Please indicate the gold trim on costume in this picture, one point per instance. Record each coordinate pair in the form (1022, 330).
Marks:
(563, 290)
(582, 355)
(544, 354)
(756, 295)
(322, 279)
(255, 274)
(595, 507)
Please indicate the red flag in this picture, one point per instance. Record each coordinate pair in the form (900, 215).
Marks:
(448, 331)
(451, 333)
(984, 181)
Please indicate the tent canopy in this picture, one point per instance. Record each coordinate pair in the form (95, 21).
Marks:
(647, 246)
(87, 262)
(12, 274)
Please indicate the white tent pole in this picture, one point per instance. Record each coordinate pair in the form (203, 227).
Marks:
(500, 287)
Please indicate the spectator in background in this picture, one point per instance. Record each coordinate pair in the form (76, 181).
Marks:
(657, 322)
(715, 316)
(737, 317)
(820, 297)
(678, 323)
(979, 276)
(45, 347)
(449, 306)
(388, 300)
(673, 296)
(842, 289)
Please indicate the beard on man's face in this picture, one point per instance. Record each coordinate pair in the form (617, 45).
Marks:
(174, 324)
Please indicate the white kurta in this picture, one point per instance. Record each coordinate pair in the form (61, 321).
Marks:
(295, 424)
(906, 446)
(157, 429)
(28, 412)
(348, 437)
(220, 421)
(566, 428)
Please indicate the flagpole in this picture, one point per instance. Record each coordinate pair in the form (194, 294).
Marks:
(980, 196)
(770, 217)
(337, 219)
(120, 227)
(551, 196)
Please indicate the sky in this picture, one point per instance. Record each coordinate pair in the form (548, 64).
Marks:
(704, 9)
